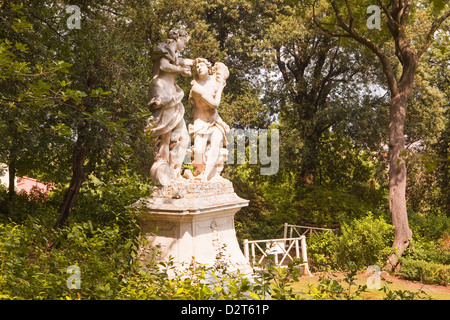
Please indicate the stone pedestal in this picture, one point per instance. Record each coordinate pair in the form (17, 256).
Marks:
(196, 220)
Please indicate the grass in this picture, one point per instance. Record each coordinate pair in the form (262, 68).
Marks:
(393, 281)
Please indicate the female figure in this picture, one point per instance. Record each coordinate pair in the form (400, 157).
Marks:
(208, 130)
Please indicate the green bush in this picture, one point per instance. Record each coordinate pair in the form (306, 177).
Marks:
(34, 260)
(101, 238)
(31, 268)
(35, 204)
(200, 282)
(423, 271)
(332, 289)
(347, 289)
(315, 205)
(430, 226)
(429, 251)
(363, 242)
(321, 251)
(193, 284)
(366, 241)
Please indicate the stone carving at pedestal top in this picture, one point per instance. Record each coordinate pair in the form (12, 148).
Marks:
(195, 221)
(190, 218)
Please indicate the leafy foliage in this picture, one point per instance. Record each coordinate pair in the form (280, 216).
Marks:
(427, 272)
(33, 270)
(63, 91)
(330, 289)
(362, 242)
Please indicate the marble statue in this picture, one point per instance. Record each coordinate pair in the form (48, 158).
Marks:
(208, 130)
(167, 121)
(193, 216)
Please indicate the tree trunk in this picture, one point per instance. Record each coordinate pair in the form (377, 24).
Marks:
(11, 186)
(78, 177)
(397, 165)
(12, 178)
(310, 163)
(397, 178)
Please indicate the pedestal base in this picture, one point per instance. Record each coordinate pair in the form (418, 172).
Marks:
(196, 221)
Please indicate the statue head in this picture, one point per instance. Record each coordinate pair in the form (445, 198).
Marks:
(201, 67)
(181, 37)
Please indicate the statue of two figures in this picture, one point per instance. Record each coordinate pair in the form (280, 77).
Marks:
(207, 131)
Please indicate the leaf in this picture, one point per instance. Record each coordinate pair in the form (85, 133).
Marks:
(21, 47)
(255, 296)
(64, 83)
(430, 166)
(438, 6)
(62, 129)
(43, 85)
(178, 292)
(99, 92)
(206, 290)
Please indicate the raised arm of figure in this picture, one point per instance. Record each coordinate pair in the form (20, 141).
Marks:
(186, 62)
(168, 67)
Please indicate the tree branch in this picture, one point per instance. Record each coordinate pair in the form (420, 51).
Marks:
(351, 18)
(429, 39)
(320, 26)
(387, 69)
(282, 66)
(387, 13)
(47, 24)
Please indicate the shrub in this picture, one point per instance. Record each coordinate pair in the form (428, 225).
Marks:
(347, 289)
(366, 241)
(430, 226)
(23, 205)
(200, 282)
(423, 271)
(318, 205)
(106, 202)
(197, 282)
(363, 242)
(429, 251)
(321, 251)
(332, 289)
(31, 268)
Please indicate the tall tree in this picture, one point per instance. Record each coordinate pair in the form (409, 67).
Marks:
(104, 122)
(70, 120)
(321, 80)
(31, 84)
(349, 20)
